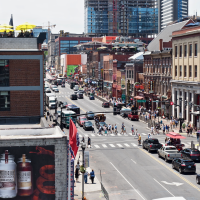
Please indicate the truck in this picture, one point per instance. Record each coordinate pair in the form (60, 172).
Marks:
(133, 115)
(51, 100)
(151, 144)
(169, 153)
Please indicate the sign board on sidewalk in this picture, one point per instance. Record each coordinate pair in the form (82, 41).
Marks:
(86, 159)
(141, 101)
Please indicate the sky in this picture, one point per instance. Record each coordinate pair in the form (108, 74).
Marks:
(68, 15)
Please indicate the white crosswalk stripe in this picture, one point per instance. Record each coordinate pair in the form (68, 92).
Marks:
(143, 133)
(119, 134)
(80, 135)
(134, 144)
(112, 145)
(112, 134)
(97, 146)
(126, 145)
(99, 135)
(119, 145)
(92, 135)
(104, 145)
(86, 135)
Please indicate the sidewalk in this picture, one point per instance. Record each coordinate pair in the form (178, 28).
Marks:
(91, 191)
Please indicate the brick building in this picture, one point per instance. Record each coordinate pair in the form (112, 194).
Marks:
(21, 80)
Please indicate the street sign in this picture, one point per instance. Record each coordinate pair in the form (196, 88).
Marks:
(123, 97)
(141, 101)
(171, 103)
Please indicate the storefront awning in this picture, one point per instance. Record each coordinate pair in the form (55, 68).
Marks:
(138, 97)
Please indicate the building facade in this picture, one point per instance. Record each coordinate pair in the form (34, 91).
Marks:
(170, 11)
(117, 17)
(186, 74)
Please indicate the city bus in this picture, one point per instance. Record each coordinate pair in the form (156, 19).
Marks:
(66, 115)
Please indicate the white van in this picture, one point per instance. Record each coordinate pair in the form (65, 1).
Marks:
(76, 87)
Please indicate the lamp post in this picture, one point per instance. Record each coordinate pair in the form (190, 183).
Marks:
(83, 146)
(61, 124)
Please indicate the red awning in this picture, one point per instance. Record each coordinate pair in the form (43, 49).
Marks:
(138, 97)
(175, 135)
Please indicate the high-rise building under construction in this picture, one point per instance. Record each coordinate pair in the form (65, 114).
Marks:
(138, 18)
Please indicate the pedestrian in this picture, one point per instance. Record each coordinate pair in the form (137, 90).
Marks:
(166, 139)
(136, 132)
(89, 142)
(124, 129)
(77, 173)
(100, 129)
(92, 175)
(163, 129)
(132, 130)
(149, 136)
(171, 124)
(83, 139)
(166, 128)
(116, 129)
(112, 129)
(93, 130)
(191, 129)
(85, 176)
(188, 131)
(176, 122)
(197, 136)
(152, 129)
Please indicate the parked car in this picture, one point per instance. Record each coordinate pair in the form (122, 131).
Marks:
(151, 144)
(90, 115)
(184, 165)
(105, 104)
(102, 124)
(81, 120)
(87, 125)
(189, 153)
(63, 85)
(47, 90)
(91, 98)
(55, 89)
(73, 97)
(198, 178)
(80, 95)
(169, 153)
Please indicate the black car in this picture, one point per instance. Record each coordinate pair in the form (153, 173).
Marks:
(73, 97)
(151, 144)
(87, 125)
(102, 124)
(74, 108)
(189, 153)
(90, 115)
(63, 85)
(105, 104)
(80, 95)
(184, 165)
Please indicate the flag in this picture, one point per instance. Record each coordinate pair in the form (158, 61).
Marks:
(73, 139)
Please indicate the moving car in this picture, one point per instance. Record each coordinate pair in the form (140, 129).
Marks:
(193, 154)
(53, 86)
(74, 108)
(55, 89)
(63, 85)
(105, 104)
(87, 125)
(169, 153)
(65, 104)
(102, 124)
(184, 165)
(76, 88)
(91, 97)
(151, 144)
(47, 90)
(81, 120)
(73, 97)
(80, 95)
(90, 115)
(81, 91)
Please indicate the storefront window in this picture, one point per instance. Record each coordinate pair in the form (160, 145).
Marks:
(4, 101)
(4, 73)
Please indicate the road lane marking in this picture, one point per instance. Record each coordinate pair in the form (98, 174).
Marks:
(80, 135)
(104, 145)
(112, 145)
(112, 134)
(173, 183)
(134, 144)
(128, 181)
(173, 171)
(92, 135)
(119, 145)
(97, 146)
(143, 133)
(164, 187)
(86, 135)
(133, 161)
(126, 145)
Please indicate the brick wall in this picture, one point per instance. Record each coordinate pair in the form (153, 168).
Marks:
(23, 103)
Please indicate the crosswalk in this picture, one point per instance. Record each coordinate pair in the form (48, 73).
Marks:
(110, 134)
(121, 145)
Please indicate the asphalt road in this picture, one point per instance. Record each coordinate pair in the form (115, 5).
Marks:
(129, 172)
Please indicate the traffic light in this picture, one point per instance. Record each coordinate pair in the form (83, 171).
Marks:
(149, 102)
(185, 103)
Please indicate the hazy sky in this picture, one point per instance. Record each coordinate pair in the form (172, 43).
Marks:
(68, 15)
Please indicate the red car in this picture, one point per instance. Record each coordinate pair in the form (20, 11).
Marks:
(132, 116)
(81, 120)
(105, 104)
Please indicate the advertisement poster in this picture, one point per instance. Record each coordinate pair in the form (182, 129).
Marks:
(27, 173)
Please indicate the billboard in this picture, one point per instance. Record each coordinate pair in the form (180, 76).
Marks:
(27, 173)
(71, 69)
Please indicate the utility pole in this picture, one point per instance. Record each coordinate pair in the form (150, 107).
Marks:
(123, 20)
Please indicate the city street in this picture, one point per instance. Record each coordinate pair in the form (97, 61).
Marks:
(128, 171)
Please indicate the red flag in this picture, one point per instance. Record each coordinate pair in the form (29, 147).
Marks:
(73, 139)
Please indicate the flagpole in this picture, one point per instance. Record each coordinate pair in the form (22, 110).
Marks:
(69, 167)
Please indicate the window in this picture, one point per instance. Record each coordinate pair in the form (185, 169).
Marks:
(180, 51)
(4, 101)
(175, 51)
(190, 53)
(185, 71)
(175, 70)
(195, 51)
(195, 71)
(190, 71)
(180, 71)
(185, 50)
(4, 73)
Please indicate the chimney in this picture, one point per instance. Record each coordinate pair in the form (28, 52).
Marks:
(161, 44)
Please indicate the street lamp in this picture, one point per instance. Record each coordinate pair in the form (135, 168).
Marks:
(83, 146)
(61, 106)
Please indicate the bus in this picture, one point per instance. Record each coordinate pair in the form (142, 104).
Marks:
(59, 81)
(66, 116)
